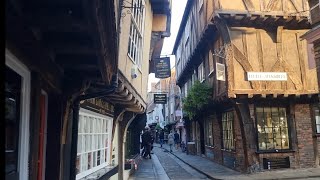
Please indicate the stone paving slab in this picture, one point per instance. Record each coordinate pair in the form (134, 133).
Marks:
(217, 171)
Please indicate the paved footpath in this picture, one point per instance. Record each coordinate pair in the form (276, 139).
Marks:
(165, 166)
(217, 171)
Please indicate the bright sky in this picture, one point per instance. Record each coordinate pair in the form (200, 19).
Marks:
(177, 11)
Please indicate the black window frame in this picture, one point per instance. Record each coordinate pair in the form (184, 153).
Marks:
(289, 126)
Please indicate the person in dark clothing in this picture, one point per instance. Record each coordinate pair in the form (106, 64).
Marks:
(176, 139)
(161, 137)
(146, 142)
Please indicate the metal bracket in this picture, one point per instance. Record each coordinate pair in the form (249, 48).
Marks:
(130, 7)
(221, 52)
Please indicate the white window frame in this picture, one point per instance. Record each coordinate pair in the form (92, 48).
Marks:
(201, 75)
(109, 120)
(135, 42)
(23, 154)
(45, 135)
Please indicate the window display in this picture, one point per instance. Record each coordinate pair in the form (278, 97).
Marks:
(272, 126)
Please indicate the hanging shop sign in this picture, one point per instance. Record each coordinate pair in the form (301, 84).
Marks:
(160, 98)
(267, 76)
(162, 67)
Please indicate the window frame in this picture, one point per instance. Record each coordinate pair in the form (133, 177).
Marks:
(201, 72)
(136, 32)
(288, 129)
(207, 127)
(316, 108)
(94, 147)
(13, 62)
(230, 149)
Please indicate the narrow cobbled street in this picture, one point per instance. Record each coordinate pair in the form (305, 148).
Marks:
(163, 166)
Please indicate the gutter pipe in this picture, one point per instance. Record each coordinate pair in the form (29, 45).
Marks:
(75, 120)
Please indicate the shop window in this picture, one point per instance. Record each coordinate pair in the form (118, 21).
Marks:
(228, 131)
(209, 132)
(317, 118)
(93, 142)
(272, 126)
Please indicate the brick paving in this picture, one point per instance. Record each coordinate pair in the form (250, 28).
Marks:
(217, 171)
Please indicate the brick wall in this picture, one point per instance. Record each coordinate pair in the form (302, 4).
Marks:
(240, 158)
(304, 135)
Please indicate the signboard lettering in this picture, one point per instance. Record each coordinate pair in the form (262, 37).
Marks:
(162, 67)
(160, 98)
(267, 76)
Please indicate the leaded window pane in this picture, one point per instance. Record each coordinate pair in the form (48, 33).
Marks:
(227, 128)
(272, 128)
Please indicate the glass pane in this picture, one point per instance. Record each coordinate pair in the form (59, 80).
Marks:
(283, 118)
(88, 142)
(98, 158)
(13, 90)
(89, 161)
(79, 143)
(78, 165)
(102, 156)
(318, 128)
(85, 123)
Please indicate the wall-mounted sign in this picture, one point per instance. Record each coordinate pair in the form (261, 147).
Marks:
(221, 72)
(160, 98)
(162, 67)
(267, 76)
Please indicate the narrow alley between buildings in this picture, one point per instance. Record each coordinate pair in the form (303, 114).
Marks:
(164, 165)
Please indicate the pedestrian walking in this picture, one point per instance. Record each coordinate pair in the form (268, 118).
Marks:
(176, 139)
(146, 141)
(171, 140)
(161, 137)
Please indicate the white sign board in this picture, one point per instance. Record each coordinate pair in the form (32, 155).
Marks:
(267, 76)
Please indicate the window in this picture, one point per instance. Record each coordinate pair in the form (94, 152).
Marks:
(227, 131)
(211, 64)
(317, 118)
(209, 132)
(136, 33)
(272, 128)
(17, 101)
(93, 142)
(201, 72)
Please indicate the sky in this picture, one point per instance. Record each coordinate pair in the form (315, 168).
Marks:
(177, 11)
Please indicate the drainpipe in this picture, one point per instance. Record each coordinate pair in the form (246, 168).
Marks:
(75, 120)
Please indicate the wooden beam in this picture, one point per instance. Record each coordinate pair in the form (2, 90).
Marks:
(249, 5)
(271, 5)
(59, 22)
(64, 48)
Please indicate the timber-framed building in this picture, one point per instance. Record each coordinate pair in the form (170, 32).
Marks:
(263, 111)
(75, 84)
